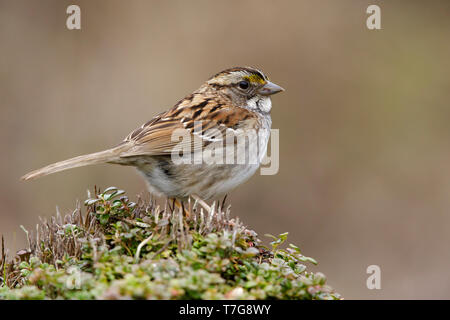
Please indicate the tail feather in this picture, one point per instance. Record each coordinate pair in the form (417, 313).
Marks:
(80, 161)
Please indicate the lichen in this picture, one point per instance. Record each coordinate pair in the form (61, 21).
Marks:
(118, 249)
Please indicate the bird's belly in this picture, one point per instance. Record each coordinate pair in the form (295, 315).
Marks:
(222, 179)
(206, 181)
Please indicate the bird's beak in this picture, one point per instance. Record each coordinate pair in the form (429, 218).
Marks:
(270, 88)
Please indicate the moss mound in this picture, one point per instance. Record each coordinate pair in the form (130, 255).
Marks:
(120, 249)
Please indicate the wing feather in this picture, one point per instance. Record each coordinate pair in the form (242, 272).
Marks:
(156, 137)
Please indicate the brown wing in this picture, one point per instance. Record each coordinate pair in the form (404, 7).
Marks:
(194, 116)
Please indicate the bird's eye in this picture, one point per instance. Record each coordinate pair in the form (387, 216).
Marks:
(244, 85)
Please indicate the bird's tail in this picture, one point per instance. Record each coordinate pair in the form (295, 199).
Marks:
(109, 155)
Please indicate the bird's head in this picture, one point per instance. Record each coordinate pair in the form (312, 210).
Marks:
(243, 87)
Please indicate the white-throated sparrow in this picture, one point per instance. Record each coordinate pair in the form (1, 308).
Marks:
(233, 104)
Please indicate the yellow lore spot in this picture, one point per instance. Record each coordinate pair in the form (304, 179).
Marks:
(254, 78)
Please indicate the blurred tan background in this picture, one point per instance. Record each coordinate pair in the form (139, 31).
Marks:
(364, 123)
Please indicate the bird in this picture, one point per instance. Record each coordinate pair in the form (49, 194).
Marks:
(226, 116)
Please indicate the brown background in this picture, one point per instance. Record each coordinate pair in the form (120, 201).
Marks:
(364, 123)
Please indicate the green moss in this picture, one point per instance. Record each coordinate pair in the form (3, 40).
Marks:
(120, 249)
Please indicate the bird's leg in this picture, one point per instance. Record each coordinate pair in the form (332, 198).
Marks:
(171, 200)
(180, 204)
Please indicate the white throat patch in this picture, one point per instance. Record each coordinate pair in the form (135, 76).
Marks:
(263, 104)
